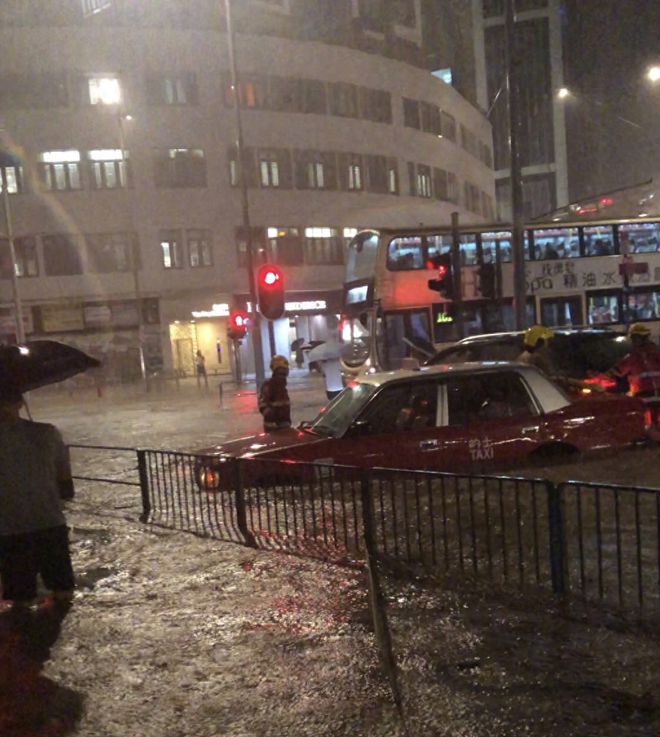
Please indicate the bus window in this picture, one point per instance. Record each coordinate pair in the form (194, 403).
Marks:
(644, 305)
(489, 243)
(355, 336)
(639, 237)
(598, 240)
(361, 257)
(404, 333)
(562, 312)
(436, 245)
(603, 309)
(439, 244)
(553, 243)
(405, 254)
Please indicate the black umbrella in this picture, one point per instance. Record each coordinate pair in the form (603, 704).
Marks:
(41, 362)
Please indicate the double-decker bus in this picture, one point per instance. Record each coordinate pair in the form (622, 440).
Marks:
(595, 273)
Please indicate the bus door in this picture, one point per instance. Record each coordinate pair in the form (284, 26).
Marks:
(405, 333)
(559, 312)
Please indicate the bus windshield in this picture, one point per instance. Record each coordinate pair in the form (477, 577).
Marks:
(361, 256)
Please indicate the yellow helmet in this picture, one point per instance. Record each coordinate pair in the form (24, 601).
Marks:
(278, 362)
(639, 329)
(536, 333)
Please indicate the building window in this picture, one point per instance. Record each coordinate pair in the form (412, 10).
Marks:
(28, 91)
(447, 125)
(258, 238)
(314, 96)
(355, 176)
(393, 177)
(91, 7)
(411, 117)
(109, 168)
(315, 170)
(275, 169)
(180, 167)
(323, 246)
(269, 172)
(440, 188)
(13, 178)
(376, 105)
(170, 248)
(315, 175)
(343, 99)
(104, 90)
(172, 89)
(26, 265)
(285, 95)
(60, 170)
(431, 118)
(249, 169)
(351, 172)
(424, 181)
(61, 255)
(252, 92)
(108, 253)
(285, 246)
(200, 250)
(403, 13)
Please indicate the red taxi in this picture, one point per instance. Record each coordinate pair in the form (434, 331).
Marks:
(447, 418)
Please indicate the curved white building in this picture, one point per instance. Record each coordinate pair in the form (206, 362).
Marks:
(119, 160)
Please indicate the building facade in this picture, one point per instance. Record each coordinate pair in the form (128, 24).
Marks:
(541, 124)
(119, 162)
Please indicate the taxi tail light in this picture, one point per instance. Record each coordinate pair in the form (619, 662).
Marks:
(648, 419)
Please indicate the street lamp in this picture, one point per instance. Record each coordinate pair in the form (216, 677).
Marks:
(653, 73)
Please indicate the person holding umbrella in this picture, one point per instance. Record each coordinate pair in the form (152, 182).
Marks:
(35, 477)
(328, 357)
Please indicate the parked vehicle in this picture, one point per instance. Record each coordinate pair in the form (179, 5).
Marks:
(581, 354)
(448, 417)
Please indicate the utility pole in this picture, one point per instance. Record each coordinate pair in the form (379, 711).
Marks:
(7, 160)
(517, 238)
(456, 273)
(245, 203)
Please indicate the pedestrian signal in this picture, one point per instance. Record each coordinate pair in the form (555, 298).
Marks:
(238, 325)
(270, 292)
(444, 280)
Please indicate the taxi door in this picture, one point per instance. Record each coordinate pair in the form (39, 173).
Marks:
(399, 428)
(487, 420)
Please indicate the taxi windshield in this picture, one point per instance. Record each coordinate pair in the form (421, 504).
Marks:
(335, 419)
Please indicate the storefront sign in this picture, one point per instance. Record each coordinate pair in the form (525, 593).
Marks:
(313, 305)
(97, 316)
(217, 310)
(56, 318)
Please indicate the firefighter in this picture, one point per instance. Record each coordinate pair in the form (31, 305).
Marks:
(274, 402)
(641, 367)
(536, 350)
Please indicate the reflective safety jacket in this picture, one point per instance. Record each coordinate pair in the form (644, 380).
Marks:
(275, 405)
(642, 369)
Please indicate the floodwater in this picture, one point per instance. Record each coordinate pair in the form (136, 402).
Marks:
(173, 635)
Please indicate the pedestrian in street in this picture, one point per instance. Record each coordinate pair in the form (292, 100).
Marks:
(274, 402)
(35, 478)
(328, 357)
(200, 365)
(536, 350)
(641, 367)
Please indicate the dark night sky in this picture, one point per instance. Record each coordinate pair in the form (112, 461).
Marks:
(608, 47)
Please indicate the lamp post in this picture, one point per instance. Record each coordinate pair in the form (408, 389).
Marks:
(5, 161)
(245, 202)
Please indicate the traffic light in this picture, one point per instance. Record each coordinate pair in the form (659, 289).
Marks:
(270, 292)
(487, 281)
(444, 281)
(238, 324)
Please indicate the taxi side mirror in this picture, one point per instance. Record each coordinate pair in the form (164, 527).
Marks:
(359, 429)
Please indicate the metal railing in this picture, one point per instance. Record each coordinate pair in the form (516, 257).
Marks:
(598, 541)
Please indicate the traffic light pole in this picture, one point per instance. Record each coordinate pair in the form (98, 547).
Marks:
(245, 204)
(456, 276)
(517, 241)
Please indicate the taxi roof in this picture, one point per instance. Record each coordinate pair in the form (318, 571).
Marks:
(446, 369)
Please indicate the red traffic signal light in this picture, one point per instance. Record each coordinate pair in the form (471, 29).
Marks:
(238, 325)
(270, 292)
(444, 281)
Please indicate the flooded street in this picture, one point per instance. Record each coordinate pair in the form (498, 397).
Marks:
(173, 635)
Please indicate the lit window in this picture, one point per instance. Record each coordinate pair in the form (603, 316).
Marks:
(104, 91)
(199, 248)
(354, 176)
(109, 168)
(170, 246)
(60, 170)
(270, 173)
(315, 175)
(12, 177)
(92, 7)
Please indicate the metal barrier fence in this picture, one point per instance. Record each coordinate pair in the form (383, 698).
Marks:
(597, 541)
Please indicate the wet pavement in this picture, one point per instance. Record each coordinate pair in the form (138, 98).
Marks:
(173, 635)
